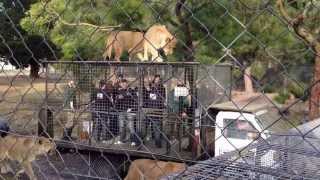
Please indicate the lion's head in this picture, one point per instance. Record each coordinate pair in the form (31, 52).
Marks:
(170, 40)
(170, 45)
(45, 145)
(159, 37)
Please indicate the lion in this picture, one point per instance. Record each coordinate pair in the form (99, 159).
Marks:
(24, 150)
(148, 169)
(121, 41)
(156, 38)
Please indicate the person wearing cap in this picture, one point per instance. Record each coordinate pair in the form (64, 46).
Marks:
(126, 105)
(102, 102)
(155, 99)
(69, 105)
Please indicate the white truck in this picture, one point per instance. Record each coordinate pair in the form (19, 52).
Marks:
(231, 125)
(286, 151)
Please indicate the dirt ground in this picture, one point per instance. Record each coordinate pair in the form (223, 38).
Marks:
(20, 100)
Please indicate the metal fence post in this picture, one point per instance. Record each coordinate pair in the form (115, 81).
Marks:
(45, 124)
(140, 100)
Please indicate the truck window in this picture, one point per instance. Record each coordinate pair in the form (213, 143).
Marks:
(239, 129)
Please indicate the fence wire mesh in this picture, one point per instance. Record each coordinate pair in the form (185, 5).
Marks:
(147, 89)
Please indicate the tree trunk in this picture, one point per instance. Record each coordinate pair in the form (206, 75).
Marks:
(248, 81)
(188, 49)
(34, 71)
(315, 90)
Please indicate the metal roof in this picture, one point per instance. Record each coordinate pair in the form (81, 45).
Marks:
(250, 104)
(292, 155)
(268, 112)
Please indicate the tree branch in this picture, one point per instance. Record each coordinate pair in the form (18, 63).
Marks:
(296, 23)
(303, 33)
(99, 28)
(178, 10)
(189, 50)
(283, 12)
(291, 21)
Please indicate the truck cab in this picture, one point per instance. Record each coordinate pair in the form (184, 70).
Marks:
(235, 130)
(236, 124)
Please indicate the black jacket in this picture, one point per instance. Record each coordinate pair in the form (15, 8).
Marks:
(126, 99)
(102, 100)
(155, 97)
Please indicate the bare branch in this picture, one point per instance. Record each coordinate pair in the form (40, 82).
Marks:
(296, 23)
(283, 12)
(303, 33)
(98, 28)
(291, 21)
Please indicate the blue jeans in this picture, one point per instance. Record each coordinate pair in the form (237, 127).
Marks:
(101, 126)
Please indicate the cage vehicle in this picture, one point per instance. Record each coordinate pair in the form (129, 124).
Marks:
(188, 87)
(186, 91)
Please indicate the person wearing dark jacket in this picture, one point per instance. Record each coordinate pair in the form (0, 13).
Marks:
(126, 105)
(102, 102)
(155, 96)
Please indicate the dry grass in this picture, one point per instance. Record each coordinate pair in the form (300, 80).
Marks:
(20, 101)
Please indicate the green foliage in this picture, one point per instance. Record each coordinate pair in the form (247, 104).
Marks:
(17, 46)
(298, 90)
(126, 12)
(282, 96)
(83, 41)
(252, 33)
(258, 69)
(35, 49)
(269, 88)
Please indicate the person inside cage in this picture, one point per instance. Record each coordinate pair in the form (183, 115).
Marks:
(70, 101)
(126, 100)
(154, 98)
(178, 104)
(102, 103)
(116, 83)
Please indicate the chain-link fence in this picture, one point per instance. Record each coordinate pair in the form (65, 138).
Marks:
(282, 156)
(147, 89)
